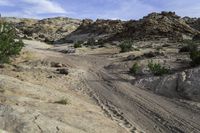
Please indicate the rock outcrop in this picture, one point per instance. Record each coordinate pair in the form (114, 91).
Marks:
(157, 26)
(180, 85)
(100, 26)
(193, 22)
(96, 29)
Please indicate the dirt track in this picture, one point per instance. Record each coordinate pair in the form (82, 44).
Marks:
(133, 108)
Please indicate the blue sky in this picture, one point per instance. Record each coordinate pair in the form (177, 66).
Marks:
(113, 9)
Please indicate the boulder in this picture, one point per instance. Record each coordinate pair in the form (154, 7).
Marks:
(54, 64)
(133, 57)
(179, 85)
(68, 51)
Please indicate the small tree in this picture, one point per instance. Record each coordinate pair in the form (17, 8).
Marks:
(157, 69)
(134, 69)
(10, 45)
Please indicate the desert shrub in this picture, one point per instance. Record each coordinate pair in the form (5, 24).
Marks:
(78, 44)
(134, 69)
(62, 101)
(91, 42)
(195, 57)
(157, 69)
(10, 44)
(126, 46)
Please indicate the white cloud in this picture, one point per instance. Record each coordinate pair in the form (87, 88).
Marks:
(5, 3)
(44, 7)
(32, 8)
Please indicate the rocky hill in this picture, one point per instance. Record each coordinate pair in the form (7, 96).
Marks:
(96, 29)
(49, 30)
(156, 26)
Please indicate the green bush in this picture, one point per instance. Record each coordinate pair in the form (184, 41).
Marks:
(192, 48)
(10, 44)
(157, 69)
(126, 46)
(78, 44)
(195, 57)
(134, 69)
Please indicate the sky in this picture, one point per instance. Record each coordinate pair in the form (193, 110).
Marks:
(93, 9)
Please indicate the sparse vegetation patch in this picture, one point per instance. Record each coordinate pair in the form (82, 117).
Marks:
(134, 69)
(157, 69)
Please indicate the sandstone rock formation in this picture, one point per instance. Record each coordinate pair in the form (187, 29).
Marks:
(179, 85)
(156, 26)
(96, 29)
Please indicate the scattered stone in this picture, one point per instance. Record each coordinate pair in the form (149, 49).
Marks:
(2, 66)
(153, 54)
(50, 77)
(64, 71)
(68, 51)
(131, 57)
(54, 64)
